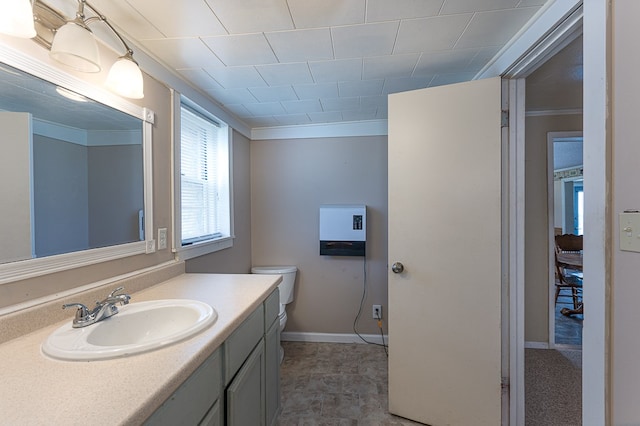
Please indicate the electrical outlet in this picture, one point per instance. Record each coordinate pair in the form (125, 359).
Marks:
(376, 312)
(162, 238)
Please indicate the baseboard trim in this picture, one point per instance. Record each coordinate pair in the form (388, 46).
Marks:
(293, 336)
(536, 345)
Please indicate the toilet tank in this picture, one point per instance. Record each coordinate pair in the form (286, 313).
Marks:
(288, 279)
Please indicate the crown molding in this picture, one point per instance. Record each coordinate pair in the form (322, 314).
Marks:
(323, 130)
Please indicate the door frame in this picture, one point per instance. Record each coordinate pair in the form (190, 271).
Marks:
(542, 39)
(553, 137)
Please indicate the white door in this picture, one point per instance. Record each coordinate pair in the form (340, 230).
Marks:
(445, 229)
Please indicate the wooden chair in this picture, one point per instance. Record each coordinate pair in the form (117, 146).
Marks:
(567, 277)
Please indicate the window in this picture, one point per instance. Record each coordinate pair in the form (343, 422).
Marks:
(205, 187)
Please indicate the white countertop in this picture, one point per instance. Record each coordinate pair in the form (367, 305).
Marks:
(35, 389)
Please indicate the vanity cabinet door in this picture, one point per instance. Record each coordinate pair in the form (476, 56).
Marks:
(213, 416)
(194, 398)
(272, 361)
(245, 394)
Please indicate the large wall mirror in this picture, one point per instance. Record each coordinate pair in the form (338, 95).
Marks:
(75, 178)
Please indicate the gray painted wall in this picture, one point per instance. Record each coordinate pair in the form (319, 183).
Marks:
(60, 196)
(115, 194)
(290, 179)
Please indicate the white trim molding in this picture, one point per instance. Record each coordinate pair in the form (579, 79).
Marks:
(324, 130)
(294, 336)
(546, 112)
(516, 58)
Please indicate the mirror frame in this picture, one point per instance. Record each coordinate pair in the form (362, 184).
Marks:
(24, 269)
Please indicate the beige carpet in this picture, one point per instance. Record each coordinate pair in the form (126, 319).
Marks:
(553, 387)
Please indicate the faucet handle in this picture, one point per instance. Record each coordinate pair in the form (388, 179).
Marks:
(112, 298)
(82, 311)
(113, 293)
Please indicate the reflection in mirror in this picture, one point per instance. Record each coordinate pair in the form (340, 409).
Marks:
(71, 171)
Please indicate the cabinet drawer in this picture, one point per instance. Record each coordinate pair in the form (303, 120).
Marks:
(240, 344)
(193, 399)
(271, 308)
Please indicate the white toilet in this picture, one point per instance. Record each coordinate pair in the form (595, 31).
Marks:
(285, 287)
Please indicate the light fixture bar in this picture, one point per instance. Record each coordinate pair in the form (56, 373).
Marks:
(124, 78)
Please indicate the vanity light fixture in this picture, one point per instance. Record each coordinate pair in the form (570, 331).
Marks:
(75, 45)
(71, 42)
(17, 19)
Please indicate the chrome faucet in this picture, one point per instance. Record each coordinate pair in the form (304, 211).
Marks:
(103, 309)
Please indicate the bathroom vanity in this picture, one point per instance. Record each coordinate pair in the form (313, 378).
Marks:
(227, 374)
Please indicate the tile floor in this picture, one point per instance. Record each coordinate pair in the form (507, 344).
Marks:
(335, 384)
(568, 329)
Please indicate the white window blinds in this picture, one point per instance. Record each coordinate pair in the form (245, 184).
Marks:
(204, 169)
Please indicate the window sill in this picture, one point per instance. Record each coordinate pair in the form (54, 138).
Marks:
(204, 247)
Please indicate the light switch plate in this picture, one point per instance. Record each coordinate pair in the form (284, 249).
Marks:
(630, 231)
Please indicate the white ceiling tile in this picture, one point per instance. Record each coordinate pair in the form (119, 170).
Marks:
(304, 106)
(466, 6)
(274, 94)
(360, 88)
(326, 13)
(368, 114)
(380, 101)
(200, 78)
(292, 119)
(385, 10)
(137, 25)
(444, 62)
(482, 57)
(238, 109)
(364, 40)
(494, 28)
(182, 52)
(176, 22)
(528, 3)
(430, 34)
(243, 49)
(302, 45)
(281, 74)
(324, 61)
(264, 121)
(336, 70)
(325, 117)
(397, 85)
(340, 104)
(266, 108)
(391, 66)
(442, 79)
(316, 91)
(232, 96)
(252, 16)
(234, 77)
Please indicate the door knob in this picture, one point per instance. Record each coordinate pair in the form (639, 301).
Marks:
(397, 267)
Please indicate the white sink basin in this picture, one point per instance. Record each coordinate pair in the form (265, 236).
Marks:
(138, 327)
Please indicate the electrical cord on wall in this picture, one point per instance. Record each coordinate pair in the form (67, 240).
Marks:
(355, 321)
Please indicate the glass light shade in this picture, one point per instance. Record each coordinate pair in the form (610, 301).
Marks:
(75, 46)
(125, 78)
(16, 19)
